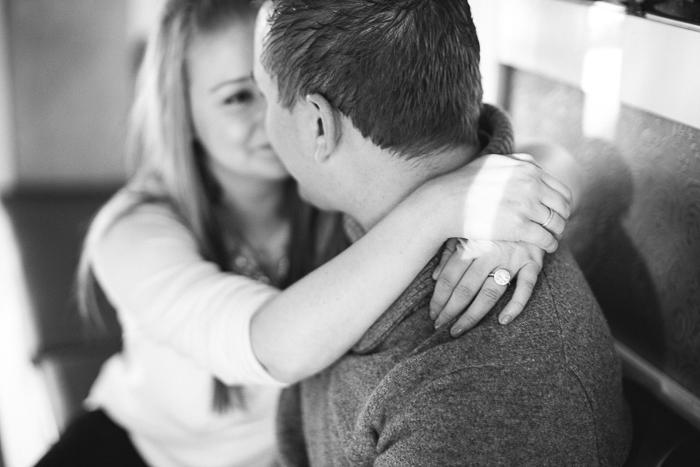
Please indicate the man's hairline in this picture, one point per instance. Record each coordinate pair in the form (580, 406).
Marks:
(413, 158)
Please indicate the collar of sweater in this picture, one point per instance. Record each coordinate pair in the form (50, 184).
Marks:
(496, 137)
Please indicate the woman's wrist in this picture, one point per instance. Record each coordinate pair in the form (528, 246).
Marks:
(427, 210)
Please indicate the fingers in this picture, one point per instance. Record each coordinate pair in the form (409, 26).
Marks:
(527, 278)
(491, 292)
(464, 279)
(467, 287)
(450, 247)
(485, 300)
(544, 231)
(449, 282)
(541, 192)
(555, 200)
(534, 233)
(558, 186)
(551, 220)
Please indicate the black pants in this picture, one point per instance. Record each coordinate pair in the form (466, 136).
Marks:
(93, 440)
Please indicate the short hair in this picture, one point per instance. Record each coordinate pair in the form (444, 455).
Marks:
(406, 72)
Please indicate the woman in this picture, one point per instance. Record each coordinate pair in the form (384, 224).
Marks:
(190, 253)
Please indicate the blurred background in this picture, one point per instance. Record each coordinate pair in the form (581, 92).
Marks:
(67, 70)
(607, 92)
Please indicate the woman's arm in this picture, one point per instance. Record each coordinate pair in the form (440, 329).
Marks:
(316, 320)
(149, 266)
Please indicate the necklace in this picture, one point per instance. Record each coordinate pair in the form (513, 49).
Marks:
(249, 262)
(268, 264)
(265, 260)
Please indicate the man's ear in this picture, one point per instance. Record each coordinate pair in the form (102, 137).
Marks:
(325, 126)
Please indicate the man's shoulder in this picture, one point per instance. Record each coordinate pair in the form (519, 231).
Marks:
(560, 304)
(552, 373)
(561, 323)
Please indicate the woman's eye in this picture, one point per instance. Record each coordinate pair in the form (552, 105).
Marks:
(241, 97)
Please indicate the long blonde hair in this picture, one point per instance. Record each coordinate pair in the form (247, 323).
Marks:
(168, 165)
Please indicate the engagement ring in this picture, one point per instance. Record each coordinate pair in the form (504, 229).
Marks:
(501, 276)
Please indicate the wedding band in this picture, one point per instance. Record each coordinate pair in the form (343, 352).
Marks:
(501, 276)
(549, 219)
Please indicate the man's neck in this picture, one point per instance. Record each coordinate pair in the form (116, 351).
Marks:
(392, 178)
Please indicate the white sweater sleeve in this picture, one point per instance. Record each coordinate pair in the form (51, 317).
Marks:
(149, 267)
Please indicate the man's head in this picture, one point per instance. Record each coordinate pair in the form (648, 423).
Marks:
(403, 73)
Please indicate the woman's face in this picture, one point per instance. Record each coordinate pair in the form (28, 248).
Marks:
(228, 112)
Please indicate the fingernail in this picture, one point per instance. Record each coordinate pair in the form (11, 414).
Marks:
(439, 323)
(505, 319)
(456, 332)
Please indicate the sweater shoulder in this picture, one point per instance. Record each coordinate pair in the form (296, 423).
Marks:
(555, 364)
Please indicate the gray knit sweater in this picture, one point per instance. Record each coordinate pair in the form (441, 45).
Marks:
(542, 391)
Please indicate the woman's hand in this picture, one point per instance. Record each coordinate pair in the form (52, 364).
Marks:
(463, 276)
(500, 198)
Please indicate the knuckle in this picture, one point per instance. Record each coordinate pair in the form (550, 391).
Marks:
(446, 282)
(491, 295)
(468, 320)
(534, 207)
(548, 240)
(542, 237)
(449, 313)
(528, 234)
(531, 251)
(535, 267)
(437, 302)
(531, 183)
(555, 245)
(526, 166)
(464, 292)
(535, 173)
(567, 209)
(559, 228)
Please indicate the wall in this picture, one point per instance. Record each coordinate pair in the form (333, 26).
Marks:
(7, 161)
(141, 15)
(620, 93)
(637, 230)
(70, 81)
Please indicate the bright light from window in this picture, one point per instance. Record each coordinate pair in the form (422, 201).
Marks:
(27, 425)
(602, 73)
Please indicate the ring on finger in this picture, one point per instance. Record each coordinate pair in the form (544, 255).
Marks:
(501, 277)
(549, 219)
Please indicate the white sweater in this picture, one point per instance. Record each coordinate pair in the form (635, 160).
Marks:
(184, 322)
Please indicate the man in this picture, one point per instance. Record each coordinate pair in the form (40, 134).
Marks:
(372, 98)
